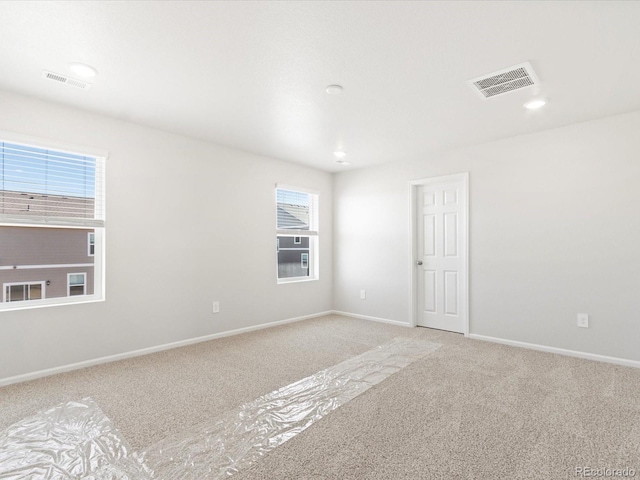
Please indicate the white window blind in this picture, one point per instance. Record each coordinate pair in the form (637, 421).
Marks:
(296, 212)
(41, 186)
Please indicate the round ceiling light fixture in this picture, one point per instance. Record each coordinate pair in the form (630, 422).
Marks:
(535, 104)
(83, 69)
(340, 154)
(334, 89)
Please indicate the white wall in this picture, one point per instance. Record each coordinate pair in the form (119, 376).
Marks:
(187, 223)
(554, 230)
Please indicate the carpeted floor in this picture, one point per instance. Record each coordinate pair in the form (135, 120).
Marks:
(470, 410)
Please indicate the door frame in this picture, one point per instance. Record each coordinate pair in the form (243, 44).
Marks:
(413, 247)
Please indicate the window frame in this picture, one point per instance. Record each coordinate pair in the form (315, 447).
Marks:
(99, 263)
(312, 234)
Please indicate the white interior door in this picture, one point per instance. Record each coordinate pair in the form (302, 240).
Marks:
(441, 240)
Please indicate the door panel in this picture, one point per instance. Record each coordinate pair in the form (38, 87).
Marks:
(429, 291)
(429, 235)
(450, 234)
(441, 247)
(451, 197)
(451, 293)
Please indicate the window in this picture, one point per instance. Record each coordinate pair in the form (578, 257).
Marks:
(51, 224)
(19, 292)
(296, 234)
(91, 240)
(76, 283)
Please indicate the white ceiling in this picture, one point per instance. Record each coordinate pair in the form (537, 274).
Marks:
(252, 75)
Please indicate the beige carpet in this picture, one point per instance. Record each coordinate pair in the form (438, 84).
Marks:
(470, 410)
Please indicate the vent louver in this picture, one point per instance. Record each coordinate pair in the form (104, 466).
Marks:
(56, 77)
(503, 81)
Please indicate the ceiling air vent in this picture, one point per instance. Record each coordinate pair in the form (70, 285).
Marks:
(503, 81)
(56, 77)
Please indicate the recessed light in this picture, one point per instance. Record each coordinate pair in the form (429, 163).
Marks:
(535, 104)
(83, 69)
(334, 89)
(340, 154)
(343, 162)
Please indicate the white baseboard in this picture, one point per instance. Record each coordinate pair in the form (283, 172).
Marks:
(183, 343)
(560, 351)
(372, 319)
(145, 351)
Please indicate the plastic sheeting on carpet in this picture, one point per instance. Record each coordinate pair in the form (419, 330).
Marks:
(72, 441)
(76, 441)
(220, 447)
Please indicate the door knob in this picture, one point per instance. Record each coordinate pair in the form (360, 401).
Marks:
(419, 262)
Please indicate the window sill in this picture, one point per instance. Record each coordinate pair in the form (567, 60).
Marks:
(283, 281)
(52, 302)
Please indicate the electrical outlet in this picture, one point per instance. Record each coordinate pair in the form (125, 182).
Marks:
(363, 294)
(216, 307)
(583, 320)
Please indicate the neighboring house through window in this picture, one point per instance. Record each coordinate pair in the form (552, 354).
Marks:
(51, 224)
(296, 234)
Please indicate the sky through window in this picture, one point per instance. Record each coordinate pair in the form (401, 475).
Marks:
(35, 170)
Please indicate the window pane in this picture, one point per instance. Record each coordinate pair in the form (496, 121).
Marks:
(292, 210)
(43, 255)
(76, 279)
(46, 183)
(35, 292)
(76, 290)
(289, 257)
(16, 293)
